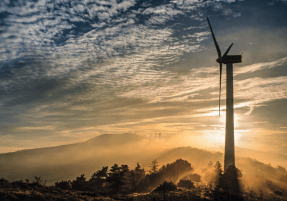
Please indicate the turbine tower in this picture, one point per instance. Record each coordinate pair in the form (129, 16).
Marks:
(229, 157)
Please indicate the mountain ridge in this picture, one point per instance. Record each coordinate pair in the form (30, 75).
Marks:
(66, 162)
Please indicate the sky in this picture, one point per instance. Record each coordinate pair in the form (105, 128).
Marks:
(72, 70)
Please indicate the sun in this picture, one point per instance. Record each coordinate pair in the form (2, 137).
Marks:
(216, 137)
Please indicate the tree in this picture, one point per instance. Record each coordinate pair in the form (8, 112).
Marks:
(226, 186)
(38, 180)
(124, 169)
(99, 179)
(170, 172)
(153, 166)
(79, 183)
(134, 177)
(231, 180)
(176, 169)
(217, 173)
(116, 178)
(101, 174)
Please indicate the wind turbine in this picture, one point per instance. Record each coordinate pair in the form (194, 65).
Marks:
(229, 157)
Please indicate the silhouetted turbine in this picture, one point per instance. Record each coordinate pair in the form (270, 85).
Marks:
(229, 157)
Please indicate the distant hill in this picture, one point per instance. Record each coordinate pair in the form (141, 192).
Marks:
(42, 155)
(113, 139)
(69, 161)
(197, 157)
(265, 157)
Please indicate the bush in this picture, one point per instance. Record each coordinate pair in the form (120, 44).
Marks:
(165, 187)
(63, 185)
(185, 184)
(3, 181)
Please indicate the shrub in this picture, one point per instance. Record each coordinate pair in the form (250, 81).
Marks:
(185, 184)
(63, 185)
(165, 187)
(4, 181)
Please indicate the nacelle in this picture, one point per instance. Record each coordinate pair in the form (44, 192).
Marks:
(232, 59)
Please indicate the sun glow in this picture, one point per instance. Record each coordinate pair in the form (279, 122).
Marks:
(214, 138)
(223, 119)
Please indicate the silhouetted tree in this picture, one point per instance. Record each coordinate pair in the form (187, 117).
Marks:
(80, 183)
(170, 172)
(225, 186)
(116, 178)
(134, 177)
(153, 166)
(38, 180)
(98, 180)
(124, 169)
(101, 174)
(217, 173)
(231, 180)
(175, 170)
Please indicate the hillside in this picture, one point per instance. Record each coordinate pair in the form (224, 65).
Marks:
(69, 161)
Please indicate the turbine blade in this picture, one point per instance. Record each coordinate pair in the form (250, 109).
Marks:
(220, 85)
(227, 50)
(216, 45)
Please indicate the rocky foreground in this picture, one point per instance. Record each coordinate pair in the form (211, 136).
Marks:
(39, 193)
(27, 191)
(21, 191)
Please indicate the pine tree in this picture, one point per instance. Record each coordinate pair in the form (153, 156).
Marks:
(98, 180)
(153, 166)
(134, 177)
(116, 178)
